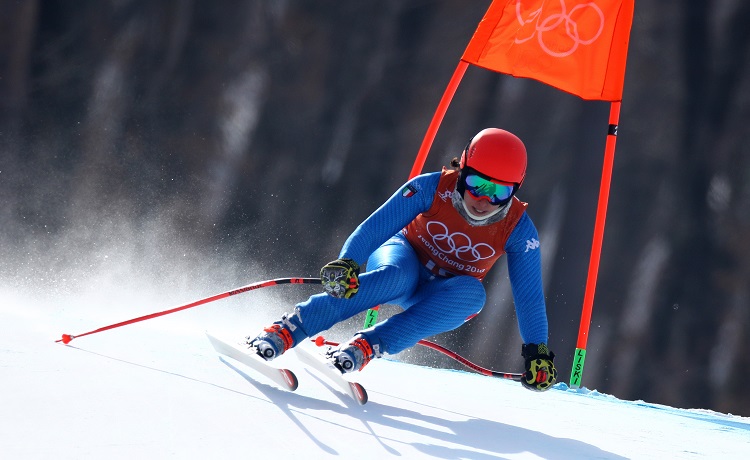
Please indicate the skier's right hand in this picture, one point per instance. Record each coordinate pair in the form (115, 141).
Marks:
(340, 278)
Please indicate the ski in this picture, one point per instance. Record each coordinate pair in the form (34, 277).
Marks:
(281, 377)
(325, 366)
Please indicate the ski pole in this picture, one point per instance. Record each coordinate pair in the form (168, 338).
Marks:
(469, 364)
(66, 338)
(320, 341)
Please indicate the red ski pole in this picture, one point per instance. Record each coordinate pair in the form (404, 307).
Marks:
(66, 338)
(469, 364)
(320, 341)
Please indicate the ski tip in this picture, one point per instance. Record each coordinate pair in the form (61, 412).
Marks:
(360, 394)
(290, 379)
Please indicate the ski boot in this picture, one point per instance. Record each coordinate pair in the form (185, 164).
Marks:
(276, 338)
(355, 355)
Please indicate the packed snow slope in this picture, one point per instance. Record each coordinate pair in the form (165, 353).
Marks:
(158, 390)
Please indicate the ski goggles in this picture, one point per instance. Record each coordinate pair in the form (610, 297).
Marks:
(485, 189)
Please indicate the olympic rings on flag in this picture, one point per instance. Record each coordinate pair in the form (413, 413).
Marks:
(563, 20)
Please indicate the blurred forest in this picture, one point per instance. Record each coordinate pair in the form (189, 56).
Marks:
(265, 131)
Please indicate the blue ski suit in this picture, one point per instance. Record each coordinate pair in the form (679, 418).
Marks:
(432, 303)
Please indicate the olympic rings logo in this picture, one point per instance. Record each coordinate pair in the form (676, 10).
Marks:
(458, 243)
(562, 19)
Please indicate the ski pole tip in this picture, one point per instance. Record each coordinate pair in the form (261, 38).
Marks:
(66, 338)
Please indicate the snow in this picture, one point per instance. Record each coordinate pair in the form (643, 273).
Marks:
(157, 389)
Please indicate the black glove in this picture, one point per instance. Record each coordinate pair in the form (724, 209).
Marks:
(540, 372)
(340, 278)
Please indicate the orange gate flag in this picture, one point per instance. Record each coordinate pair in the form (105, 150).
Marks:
(577, 46)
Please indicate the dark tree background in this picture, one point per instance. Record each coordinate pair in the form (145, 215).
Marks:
(264, 131)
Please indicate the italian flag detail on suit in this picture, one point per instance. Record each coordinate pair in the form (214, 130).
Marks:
(408, 191)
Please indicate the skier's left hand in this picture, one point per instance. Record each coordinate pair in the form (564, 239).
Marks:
(540, 371)
(340, 278)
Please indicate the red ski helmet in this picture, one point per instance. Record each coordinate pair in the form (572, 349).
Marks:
(498, 154)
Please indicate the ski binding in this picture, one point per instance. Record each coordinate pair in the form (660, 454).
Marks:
(281, 377)
(326, 367)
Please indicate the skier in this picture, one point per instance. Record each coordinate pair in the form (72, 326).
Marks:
(427, 250)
